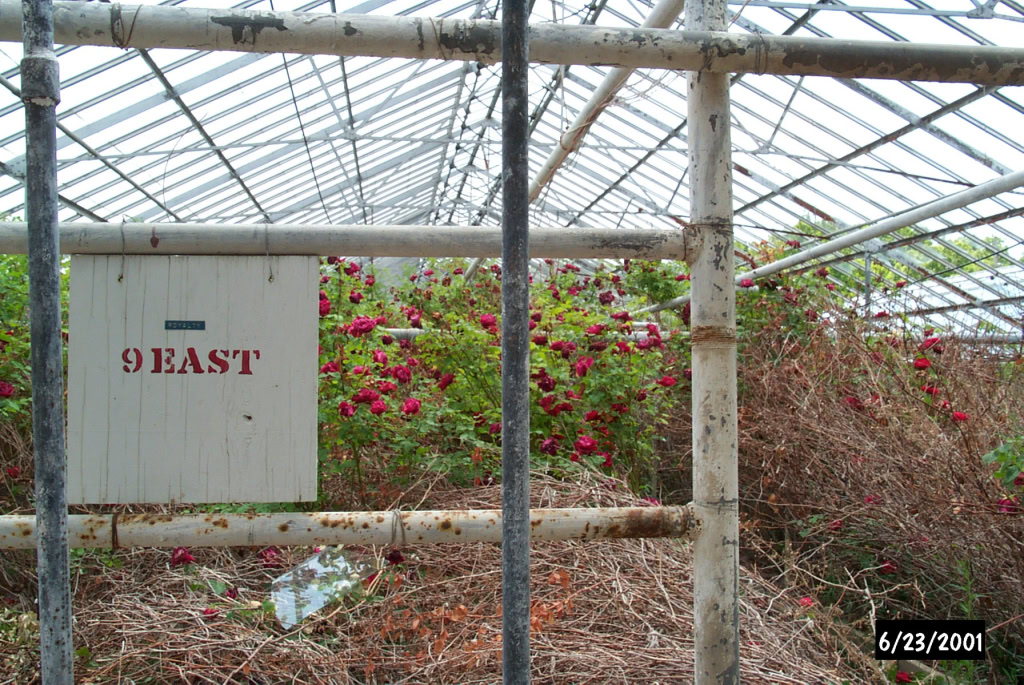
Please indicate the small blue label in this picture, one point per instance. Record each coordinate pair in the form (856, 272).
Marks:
(184, 325)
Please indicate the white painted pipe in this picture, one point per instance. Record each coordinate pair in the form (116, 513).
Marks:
(476, 40)
(662, 16)
(365, 241)
(713, 344)
(909, 218)
(350, 528)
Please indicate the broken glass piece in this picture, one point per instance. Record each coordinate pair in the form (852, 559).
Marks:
(315, 583)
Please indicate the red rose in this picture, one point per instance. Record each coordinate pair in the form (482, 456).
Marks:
(488, 320)
(922, 363)
(386, 386)
(445, 380)
(583, 365)
(355, 297)
(549, 446)
(402, 374)
(592, 415)
(345, 409)
(380, 357)
(900, 284)
(585, 444)
(960, 416)
(6, 389)
(325, 307)
(822, 272)
(329, 367)
(930, 389)
(888, 567)
(540, 340)
(370, 280)
(596, 329)
(547, 383)
(13, 472)
(378, 407)
(411, 406)
(621, 316)
(352, 269)
(747, 283)
(365, 396)
(360, 326)
(683, 277)
(793, 243)
(607, 297)
(928, 343)
(1008, 505)
(666, 381)
(903, 677)
(180, 556)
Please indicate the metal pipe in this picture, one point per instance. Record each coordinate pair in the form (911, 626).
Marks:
(662, 16)
(713, 344)
(189, 28)
(351, 528)
(366, 241)
(920, 213)
(40, 91)
(515, 344)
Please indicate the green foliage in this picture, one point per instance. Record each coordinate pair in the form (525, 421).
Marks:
(595, 400)
(1009, 461)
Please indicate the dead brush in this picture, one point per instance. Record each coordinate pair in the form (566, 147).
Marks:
(859, 488)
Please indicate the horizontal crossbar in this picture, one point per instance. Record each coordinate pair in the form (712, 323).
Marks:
(191, 28)
(351, 528)
(353, 240)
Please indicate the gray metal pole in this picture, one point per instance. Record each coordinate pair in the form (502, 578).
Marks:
(867, 284)
(713, 342)
(515, 347)
(40, 91)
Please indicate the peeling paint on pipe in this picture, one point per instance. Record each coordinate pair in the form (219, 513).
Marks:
(713, 343)
(352, 528)
(365, 241)
(349, 35)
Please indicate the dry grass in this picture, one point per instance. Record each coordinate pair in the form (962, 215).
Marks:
(881, 509)
(602, 612)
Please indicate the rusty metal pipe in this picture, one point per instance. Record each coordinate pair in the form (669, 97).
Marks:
(365, 241)
(351, 528)
(191, 28)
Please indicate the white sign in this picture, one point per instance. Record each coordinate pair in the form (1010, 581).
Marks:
(192, 379)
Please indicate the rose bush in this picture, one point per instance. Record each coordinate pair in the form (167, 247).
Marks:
(596, 377)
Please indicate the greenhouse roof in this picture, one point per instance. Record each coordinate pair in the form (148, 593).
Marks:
(162, 135)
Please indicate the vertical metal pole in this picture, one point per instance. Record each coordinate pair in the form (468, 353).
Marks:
(40, 91)
(713, 340)
(515, 348)
(867, 284)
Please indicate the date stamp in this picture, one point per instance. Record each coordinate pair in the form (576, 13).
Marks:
(955, 639)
